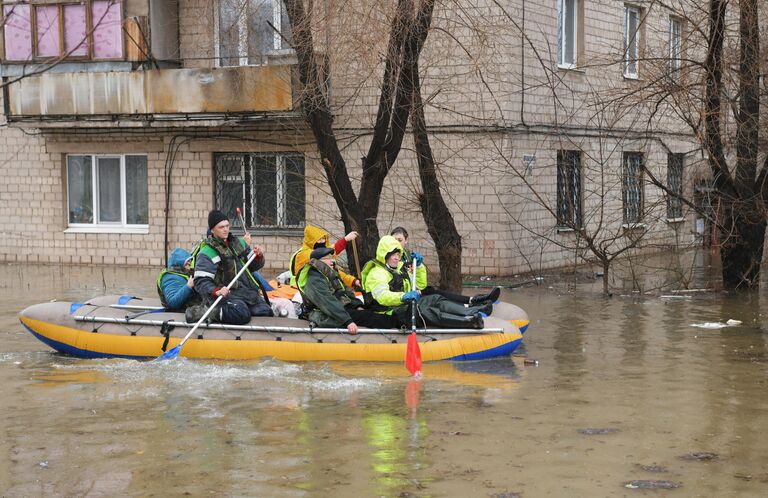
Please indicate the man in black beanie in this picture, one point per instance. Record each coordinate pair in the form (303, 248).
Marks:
(219, 259)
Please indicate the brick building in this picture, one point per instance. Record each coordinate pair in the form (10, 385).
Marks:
(127, 120)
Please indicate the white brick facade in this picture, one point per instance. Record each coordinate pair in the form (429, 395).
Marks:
(492, 102)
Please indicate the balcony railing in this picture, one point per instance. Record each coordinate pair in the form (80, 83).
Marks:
(150, 94)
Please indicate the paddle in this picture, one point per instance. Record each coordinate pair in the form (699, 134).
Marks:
(174, 352)
(242, 220)
(413, 352)
(357, 260)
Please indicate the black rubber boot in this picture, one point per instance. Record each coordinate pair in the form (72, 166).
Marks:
(486, 308)
(448, 320)
(480, 299)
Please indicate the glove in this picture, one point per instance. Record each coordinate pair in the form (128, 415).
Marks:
(410, 296)
(418, 258)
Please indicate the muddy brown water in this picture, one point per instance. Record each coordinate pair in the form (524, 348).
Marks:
(626, 394)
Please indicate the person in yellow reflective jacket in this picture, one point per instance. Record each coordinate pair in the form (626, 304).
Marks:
(315, 238)
(386, 279)
(401, 234)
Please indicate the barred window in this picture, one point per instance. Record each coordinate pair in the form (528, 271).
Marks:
(569, 188)
(675, 186)
(632, 187)
(269, 189)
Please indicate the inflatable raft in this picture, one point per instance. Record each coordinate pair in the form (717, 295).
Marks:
(134, 327)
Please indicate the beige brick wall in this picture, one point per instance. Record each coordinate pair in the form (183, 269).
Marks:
(492, 101)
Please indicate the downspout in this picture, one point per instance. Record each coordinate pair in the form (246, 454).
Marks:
(522, 66)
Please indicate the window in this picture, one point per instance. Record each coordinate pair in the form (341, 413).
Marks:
(107, 191)
(569, 188)
(631, 41)
(268, 187)
(251, 30)
(675, 186)
(567, 31)
(90, 29)
(675, 53)
(632, 187)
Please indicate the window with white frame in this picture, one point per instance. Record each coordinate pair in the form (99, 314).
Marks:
(631, 40)
(108, 191)
(675, 186)
(251, 30)
(569, 188)
(567, 33)
(675, 53)
(632, 187)
(269, 189)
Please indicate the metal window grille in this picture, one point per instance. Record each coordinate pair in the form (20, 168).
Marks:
(269, 189)
(675, 186)
(632, 187)
(569, 188)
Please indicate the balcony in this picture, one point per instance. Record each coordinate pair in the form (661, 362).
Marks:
(241, 92)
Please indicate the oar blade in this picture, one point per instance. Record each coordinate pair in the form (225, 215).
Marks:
(171, 354)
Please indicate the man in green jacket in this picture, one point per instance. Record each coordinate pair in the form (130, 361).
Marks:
(329, 302)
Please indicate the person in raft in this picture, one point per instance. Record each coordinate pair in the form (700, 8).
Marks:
(329, 302)
(175, 284)
(401, 234)
(388, 282)
(218, 260)
(315, 238)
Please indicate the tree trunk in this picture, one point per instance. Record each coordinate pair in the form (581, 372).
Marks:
(741, 248)
(437, 216)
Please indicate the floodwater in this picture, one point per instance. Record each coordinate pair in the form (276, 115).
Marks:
(626, 390)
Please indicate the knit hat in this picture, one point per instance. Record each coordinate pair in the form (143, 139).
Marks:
(215, 217)
(321, 252)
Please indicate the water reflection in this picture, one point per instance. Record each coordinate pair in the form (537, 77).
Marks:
(630, 367)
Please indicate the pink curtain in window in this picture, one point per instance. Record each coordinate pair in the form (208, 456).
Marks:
(107, 30)
(18, 32)
(48, 30)
(75, 42)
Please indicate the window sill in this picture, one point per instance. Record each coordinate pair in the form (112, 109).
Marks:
(138, 229)
(675, 220)
(571, 69)
(566, 230)
(634, 226)
(631, 77)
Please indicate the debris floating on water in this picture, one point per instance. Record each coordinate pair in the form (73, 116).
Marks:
(530, 361)
(594, 431)
(651, 484)
(717, 325)
(700, 456)
(654, 469)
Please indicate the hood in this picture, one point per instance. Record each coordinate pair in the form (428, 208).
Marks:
(312, 234)
(386, 245)
(178, 257)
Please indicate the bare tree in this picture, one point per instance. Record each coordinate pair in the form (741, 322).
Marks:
(399, 100)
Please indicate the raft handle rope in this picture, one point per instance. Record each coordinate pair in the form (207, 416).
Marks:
(165, 331)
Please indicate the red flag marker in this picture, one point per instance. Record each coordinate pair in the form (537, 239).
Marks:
(413, 356)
